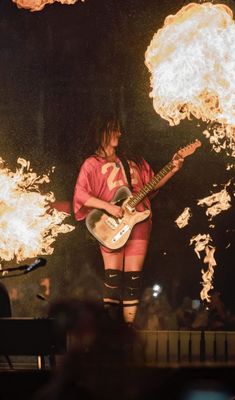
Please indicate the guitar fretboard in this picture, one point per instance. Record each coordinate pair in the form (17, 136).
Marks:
(138, 197)
(149, 187)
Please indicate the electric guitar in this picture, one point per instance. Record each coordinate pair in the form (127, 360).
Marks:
(114, 232)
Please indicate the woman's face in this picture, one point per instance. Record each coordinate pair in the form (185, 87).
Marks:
(112, 139)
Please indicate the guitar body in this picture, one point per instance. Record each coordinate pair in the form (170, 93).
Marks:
(114, 232)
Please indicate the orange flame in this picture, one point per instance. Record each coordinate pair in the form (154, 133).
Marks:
(202, 243)
(192, 63)
(38, 5)
(28, 224)
(216, 203)
(183, 218)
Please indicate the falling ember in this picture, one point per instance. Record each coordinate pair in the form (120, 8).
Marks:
(230, 166)
(38, 5)
(201, 244)
(29, 224)
(183, 218)
(216, 203)
(192, 63)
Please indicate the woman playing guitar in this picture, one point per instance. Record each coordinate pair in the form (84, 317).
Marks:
(101, 174)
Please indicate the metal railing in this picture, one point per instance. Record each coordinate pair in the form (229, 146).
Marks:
(187, 346)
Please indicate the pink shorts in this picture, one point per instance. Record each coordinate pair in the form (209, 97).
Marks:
(137, 243)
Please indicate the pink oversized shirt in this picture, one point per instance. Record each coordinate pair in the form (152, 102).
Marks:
(101, 179)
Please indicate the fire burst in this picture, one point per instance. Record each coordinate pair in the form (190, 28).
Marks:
(28, 223)
(192, 63)
(38, 5)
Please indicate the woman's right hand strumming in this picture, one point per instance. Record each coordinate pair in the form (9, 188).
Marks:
(114, 210)
(111, 209)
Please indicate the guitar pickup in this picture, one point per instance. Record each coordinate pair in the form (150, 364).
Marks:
(120, 233)
(112, 222)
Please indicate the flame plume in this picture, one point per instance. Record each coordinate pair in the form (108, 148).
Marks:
(192, 63)
(38, 5)
(28, 223)
(216, 203)
(202, 242)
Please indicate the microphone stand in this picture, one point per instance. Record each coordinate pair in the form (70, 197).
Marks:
(19, 268)
(24, 268)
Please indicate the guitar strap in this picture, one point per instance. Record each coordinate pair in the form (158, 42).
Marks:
(127, 171)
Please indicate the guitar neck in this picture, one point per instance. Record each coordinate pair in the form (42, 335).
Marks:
(149, 187)
(182, 153)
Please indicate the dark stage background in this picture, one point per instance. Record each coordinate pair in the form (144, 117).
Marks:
(58, 68)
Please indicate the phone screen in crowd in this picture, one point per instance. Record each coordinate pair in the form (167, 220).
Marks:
(196, 304)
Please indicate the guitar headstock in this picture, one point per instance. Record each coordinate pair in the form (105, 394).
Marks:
(189, 149)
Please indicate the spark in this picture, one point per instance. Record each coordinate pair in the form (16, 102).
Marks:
(230, 166)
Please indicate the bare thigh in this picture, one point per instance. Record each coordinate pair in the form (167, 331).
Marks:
(113, 259)
(135, 253)
(130, 257)
(134, 263)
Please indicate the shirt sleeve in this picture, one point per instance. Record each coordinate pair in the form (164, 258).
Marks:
(82, 192)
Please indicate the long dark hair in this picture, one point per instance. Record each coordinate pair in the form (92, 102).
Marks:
(106, 125)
